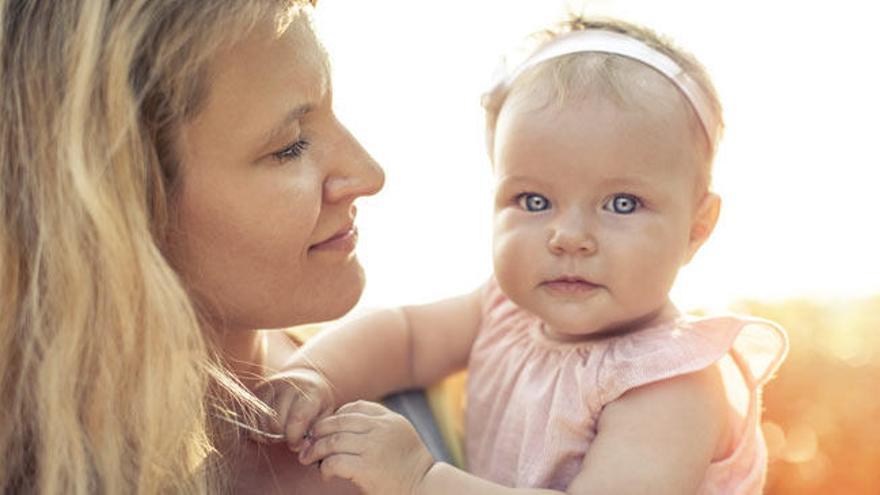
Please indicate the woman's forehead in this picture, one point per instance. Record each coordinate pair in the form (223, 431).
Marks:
(267, 56)
(257, 81)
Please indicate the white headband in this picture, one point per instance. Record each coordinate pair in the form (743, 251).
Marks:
(615, 43)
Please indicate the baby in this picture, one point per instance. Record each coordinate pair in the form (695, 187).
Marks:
(583, 377)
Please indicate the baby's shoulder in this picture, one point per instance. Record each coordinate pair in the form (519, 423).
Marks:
(689, 345)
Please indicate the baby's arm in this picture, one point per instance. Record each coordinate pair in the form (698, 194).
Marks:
(380, 452)
(383, 352)
(659, 438)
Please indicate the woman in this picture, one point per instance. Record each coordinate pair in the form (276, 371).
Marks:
(173, 178)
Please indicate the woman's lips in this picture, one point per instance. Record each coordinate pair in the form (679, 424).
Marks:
(343, 241)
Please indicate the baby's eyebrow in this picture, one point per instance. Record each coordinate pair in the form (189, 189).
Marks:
(627, 180)
(509, 180)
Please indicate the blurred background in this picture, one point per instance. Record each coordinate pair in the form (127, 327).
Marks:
(797, 240)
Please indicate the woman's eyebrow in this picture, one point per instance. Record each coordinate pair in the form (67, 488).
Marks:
(284, 123)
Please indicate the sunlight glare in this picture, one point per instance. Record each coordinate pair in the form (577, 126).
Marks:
(794, 169)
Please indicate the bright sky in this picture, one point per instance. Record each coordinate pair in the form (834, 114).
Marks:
(797, 167)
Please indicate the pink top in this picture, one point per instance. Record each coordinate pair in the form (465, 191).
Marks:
(534, 403)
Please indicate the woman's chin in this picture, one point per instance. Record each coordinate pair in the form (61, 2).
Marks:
(333, 310)
(326, 299)
(331, 301)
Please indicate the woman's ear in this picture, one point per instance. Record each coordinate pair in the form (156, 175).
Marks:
(703, 223)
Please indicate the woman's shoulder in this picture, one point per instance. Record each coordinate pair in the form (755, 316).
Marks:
(273, 469)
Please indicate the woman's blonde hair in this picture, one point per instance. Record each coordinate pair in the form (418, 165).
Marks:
(106, 377)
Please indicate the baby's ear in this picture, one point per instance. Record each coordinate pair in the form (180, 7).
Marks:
(705, 218)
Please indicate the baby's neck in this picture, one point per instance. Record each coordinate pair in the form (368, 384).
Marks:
(666, 313)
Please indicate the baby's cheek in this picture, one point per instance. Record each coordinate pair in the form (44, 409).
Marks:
(509, 253)
(651, 280)
(502, 255)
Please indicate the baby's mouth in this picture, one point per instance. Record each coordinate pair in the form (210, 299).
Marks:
(570, 285)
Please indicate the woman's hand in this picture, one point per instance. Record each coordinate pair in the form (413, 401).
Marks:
(300, 397)
(375, 448)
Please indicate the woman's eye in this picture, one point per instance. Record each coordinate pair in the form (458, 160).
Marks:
(291, 151)
(533, 202)
(622, 204)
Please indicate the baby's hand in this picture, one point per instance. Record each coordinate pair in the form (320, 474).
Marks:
(299, 397)
(377, 449)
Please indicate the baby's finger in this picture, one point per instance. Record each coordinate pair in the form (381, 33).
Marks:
(297, 435)
(297, 414)
(330, 445)
(347, 422)
(345, 466)
(363, 407)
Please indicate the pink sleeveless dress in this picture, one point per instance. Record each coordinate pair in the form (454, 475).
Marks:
(533, 403)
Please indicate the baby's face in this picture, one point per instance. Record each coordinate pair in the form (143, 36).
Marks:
(594, 208)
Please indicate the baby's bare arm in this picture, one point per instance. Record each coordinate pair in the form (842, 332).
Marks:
(380, 452)
(383, 352)
(442, 336)
(657, 439)
(394, 349)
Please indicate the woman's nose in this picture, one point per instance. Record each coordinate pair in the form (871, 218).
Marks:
(572, 235)
(355, 175)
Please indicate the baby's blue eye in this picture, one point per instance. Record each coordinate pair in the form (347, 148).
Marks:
(622, 204)
(533, 202)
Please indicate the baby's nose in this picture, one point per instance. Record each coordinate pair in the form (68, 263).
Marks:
(572, 235)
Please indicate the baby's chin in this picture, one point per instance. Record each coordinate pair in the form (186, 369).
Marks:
(584, 329)
(568, 337)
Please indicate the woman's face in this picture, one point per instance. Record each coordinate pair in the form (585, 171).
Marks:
(264, 233)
